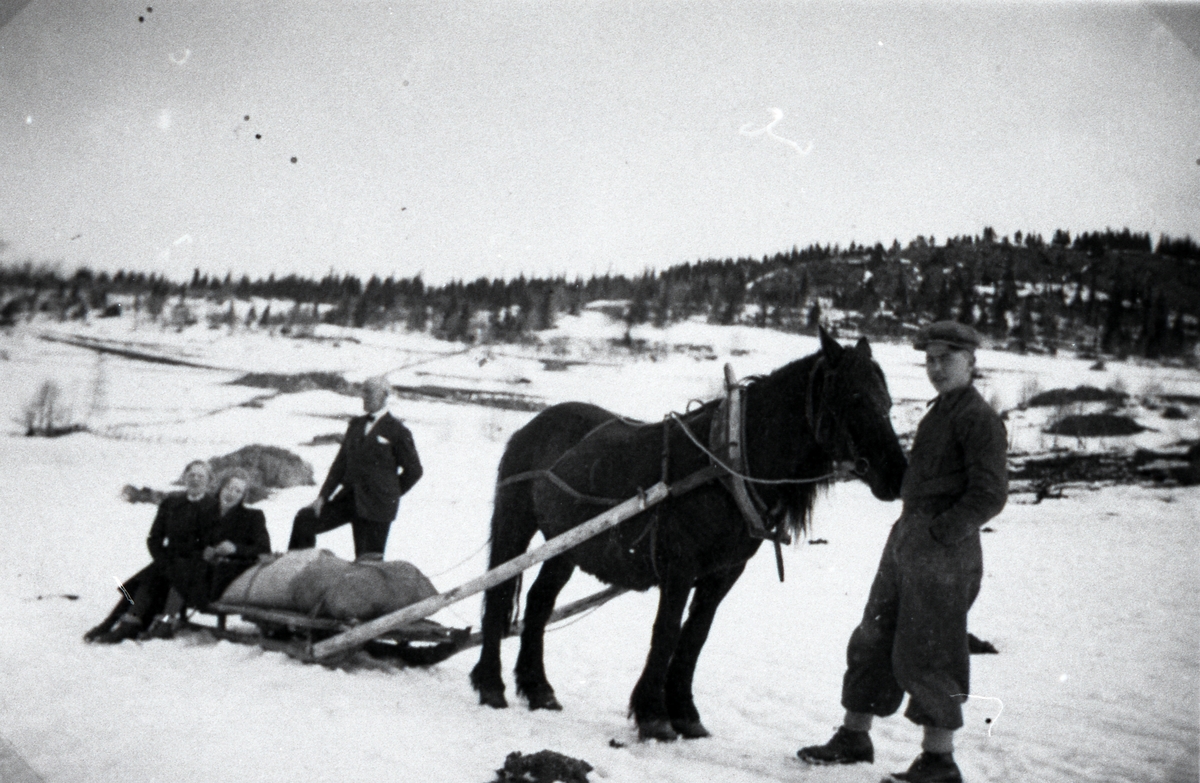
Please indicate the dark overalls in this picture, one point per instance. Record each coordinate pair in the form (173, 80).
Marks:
(913, 635)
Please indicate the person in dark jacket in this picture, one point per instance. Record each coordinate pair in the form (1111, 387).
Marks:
(913, 634)
(376, 465)
(174, 542)
(236, 537)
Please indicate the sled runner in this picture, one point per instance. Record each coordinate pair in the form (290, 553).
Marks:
(421, 642)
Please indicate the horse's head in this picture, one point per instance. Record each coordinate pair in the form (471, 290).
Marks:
(848, 409)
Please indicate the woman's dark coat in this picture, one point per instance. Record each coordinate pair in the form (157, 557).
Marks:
(246, 528)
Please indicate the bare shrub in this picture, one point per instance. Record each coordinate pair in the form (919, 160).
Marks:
(181, 316)
(995, 402)
(1152, 389)
(1029, 390)
(48, 416)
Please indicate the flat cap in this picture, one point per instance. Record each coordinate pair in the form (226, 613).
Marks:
(951, 333)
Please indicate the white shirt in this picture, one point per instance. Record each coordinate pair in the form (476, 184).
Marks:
(373, 419)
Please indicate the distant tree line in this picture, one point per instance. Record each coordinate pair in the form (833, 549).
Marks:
(1104, 292)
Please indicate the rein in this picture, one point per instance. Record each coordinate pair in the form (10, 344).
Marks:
(738, 474)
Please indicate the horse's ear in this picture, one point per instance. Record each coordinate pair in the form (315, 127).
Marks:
(863, 347)
(831, 347)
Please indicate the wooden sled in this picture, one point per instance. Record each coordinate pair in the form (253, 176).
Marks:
(422, 642)
(419, 644)
(357, 637)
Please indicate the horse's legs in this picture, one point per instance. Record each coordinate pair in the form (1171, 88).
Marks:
(710, 590)
(513, 526)
(648, 701)
(539, 603)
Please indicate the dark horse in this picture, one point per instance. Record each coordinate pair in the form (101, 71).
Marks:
(573, 459)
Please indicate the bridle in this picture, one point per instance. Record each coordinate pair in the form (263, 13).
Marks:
(727, 435)
(829, 431)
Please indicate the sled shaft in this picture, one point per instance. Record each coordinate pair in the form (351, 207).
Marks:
(361, 634)
(562, 613)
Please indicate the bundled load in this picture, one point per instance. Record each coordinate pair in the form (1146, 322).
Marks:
(318, 583)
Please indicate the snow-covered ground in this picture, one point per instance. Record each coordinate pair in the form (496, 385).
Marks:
(1091, 599)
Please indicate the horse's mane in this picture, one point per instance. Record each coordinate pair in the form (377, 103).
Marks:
(777, 407)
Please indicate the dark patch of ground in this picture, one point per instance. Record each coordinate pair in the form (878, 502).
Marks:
(1182, 399)
(326, 439)
(1094, 425)
(559, 365)
(134, 494)
(309, 381)
(492, 399)
(1045, 476)
(701, 352)
(298, 382)
(124, 350)
(53, 431)
(1056, 397)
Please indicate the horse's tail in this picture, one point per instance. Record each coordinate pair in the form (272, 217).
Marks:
(512, 528)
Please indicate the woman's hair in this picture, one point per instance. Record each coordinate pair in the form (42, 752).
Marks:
(200, 462)
(234, 473)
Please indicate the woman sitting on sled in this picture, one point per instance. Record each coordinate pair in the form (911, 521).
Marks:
(198, 544)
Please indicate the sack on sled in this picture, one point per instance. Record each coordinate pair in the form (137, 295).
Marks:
(269, 583)
(318, 583)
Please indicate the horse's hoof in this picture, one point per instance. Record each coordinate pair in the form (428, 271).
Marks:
(544, 700)
(493, 698)
(658, 729)
(690, 729)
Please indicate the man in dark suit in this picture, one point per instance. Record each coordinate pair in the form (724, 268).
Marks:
(376, 464)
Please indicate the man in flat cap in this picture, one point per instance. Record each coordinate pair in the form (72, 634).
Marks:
(375, 466)
(913, 634)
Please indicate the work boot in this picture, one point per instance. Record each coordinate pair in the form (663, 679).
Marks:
(929, 768)
(126, 628)
(95, 633)
(162, 628)
(846, 747)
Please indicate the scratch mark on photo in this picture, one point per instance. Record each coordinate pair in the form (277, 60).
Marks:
(124, 592)
(767, 129)
(991, 722)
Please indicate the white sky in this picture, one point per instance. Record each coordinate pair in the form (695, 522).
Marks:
(495, 138)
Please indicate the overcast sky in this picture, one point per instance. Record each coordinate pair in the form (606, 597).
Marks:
(497, 138)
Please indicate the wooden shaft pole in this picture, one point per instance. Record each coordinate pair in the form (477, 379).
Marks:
(562, 613)
(361, 634)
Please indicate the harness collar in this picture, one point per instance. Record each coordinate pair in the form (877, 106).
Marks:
(727, 436)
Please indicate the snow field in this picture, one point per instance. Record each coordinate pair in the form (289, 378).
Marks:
(1091, 599)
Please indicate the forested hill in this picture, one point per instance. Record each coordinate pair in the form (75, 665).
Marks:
(1100, 292)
